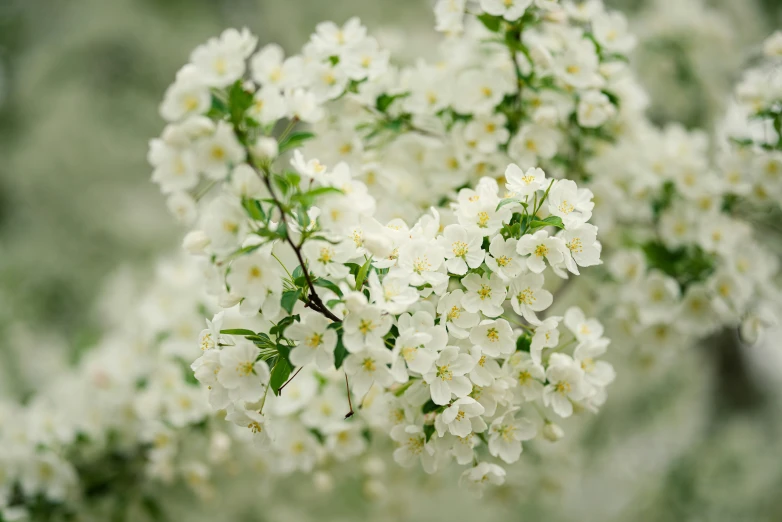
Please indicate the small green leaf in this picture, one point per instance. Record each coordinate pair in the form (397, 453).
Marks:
(340, 352)
(492, 23)
(551, 221)
(280, 374)
(254, 209)
(325, 283)
(429, 406)
(289, 299)
(237, 331)
(294, 140)
(362, 274)
(428, 431)
(508, 201)
(523, 343)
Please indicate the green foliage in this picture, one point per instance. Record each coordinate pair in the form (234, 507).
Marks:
(686, 265)
(280, 374)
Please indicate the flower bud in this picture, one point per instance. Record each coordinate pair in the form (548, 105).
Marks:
(323, 482)
(265, 148)
(195, 242)
(378, 245)
(552, 431)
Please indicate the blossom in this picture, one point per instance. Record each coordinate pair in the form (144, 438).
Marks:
(241, 373)
(447, 378)
(506, 434)
(484, 293)
(460, 418)
(570, 203)
(495, 337)
(316, 341)
(462, 248)
(527, 296)
(539, 247)
(524, 184)
(566, 383)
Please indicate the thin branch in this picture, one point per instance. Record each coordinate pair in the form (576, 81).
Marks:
(315, 302)
(350, 404)
(279, 392)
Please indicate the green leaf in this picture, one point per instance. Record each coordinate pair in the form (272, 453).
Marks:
(428, 431)
(237, 331)
(551, 221)
(429, 406)
(239, 101)
(254, 209)
(384, 101)
(325, 283)
(340, 352)
(362, 274)
(280, 374)
(289, 299)
(492, 23)
(508, 201)
(261, 339)
(295, 140)
(523, 343)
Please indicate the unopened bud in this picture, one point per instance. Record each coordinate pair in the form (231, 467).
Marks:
(552, 431)
(195, 242)
(265, 148)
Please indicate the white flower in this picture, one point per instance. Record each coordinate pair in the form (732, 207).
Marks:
(269, 68)
(255, 275)
(503, 259)
(570, 203)
(509, 9)
(487, 132)
(527, 296)
(486, 369)
(546, 336)
(183, 207)
(187, 96)
(610, 31)
(460, 418)
(241, 373)
(594, 109)
(394, 294)
(541, 248)
(219, 151)
(251, 420)
(368, 367)
(268, 106)
(410, 350)
(449, 15)
(422, 260)
(506, 434)
(524, 184)
(175, 169)
(209, 338)
(413, 447)
(582, 245)
(495, 337)
(597, 374)
(447, 378)
(462, 247)
(365, 325)
(584, 329)
(327, 259)
(316, 341)
(528, 376)
(476, 478)
(565, 383)
(484, 294)
(531, 143)
(221, 61)
(772, 47)
(455, 317)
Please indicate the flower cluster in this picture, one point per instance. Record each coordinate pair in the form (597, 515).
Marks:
(433, 325)
(129, 409)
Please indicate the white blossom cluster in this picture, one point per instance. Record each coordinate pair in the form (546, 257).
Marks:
(434, 326)
(129, 409)
(541, 85)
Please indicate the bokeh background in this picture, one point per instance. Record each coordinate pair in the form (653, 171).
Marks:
(80, 82)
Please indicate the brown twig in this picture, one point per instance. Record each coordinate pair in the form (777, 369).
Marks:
(314, 299)
(279, 392)
(350, 404)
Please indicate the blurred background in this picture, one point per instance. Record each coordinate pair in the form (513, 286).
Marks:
(80, 82)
